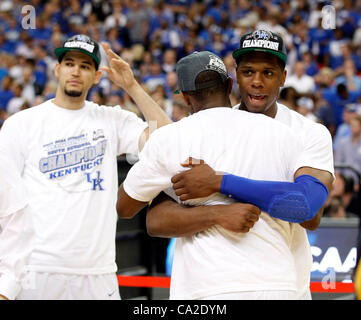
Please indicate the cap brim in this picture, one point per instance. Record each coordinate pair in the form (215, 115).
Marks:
(61, 51)
(237, 53)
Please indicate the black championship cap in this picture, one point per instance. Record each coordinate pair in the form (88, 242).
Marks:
(189, 67)
(80, 43)
(264, 41)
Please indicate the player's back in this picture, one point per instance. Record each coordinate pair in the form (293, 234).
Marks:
(244, 144)
(237, 142)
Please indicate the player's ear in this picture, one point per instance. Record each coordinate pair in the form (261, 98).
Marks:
(56, 70)
(98, 75)
(283, 77)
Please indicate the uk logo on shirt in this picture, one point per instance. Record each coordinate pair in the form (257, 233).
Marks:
(97, 182)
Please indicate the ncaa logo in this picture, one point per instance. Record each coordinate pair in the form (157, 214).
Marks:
(261, 35)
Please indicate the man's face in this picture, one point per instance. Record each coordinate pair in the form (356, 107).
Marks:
(259, 78)
(76, 74)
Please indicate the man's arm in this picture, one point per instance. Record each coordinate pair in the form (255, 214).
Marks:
(128, 207)
(293, 202)
(121, 74)
(166, 218)
(327, 179)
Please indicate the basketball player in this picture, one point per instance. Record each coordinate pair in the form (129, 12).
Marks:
(65, 151)
(216, 260)
(256, 61)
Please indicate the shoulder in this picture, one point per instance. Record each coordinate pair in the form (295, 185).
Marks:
(112, 112)
(32, 113)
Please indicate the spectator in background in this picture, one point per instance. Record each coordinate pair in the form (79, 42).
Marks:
(171, 84)
(137, 22)
(6, 92)
(117, 19)
(342, 201)
(288, 97)
(156, 76)
(335, 209)
(28, 83)
(334, 49)
(17, 101)
(169, 60)
(305, 106)
(348, 76)
(344, 129)
(26, 46)
(338, 97)
(298, 79)
(348, 151)
(319, 37)
(114, 39)
(311, 67)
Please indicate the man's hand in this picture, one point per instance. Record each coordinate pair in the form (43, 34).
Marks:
(198, 182)
(119, 71)
(236, 217)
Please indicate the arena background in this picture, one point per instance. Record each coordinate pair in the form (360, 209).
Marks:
(323, 40)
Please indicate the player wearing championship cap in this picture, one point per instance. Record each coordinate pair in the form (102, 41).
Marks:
(215, 260)
(261, 59)
(65, 151)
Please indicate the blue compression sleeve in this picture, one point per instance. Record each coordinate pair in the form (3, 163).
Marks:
(297, 201)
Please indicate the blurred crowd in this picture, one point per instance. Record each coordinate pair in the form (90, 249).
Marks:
(324, 64)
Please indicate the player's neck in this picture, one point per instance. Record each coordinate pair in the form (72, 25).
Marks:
(67, 102)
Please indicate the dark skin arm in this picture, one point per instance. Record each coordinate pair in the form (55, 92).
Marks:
(201, 181)
(128, 207)
(327, 179)
(166, 218)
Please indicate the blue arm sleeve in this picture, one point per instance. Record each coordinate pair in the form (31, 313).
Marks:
(296, 201)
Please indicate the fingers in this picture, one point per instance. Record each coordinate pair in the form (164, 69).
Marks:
(105, 46)
(180, 192)
(176, 178)
(190, 162)
(106, 69)
(110, 53)
(178, 185)
(184, 197)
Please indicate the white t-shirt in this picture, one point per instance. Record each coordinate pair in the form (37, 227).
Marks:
(250, 145)
(304, 84)
(16, 233)
(317, 152)
(67, 159)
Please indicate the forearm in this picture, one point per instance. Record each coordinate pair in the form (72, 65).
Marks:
(126, 206)
(153, 113)
(169, 219)
(313, 223)
(297, 201)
